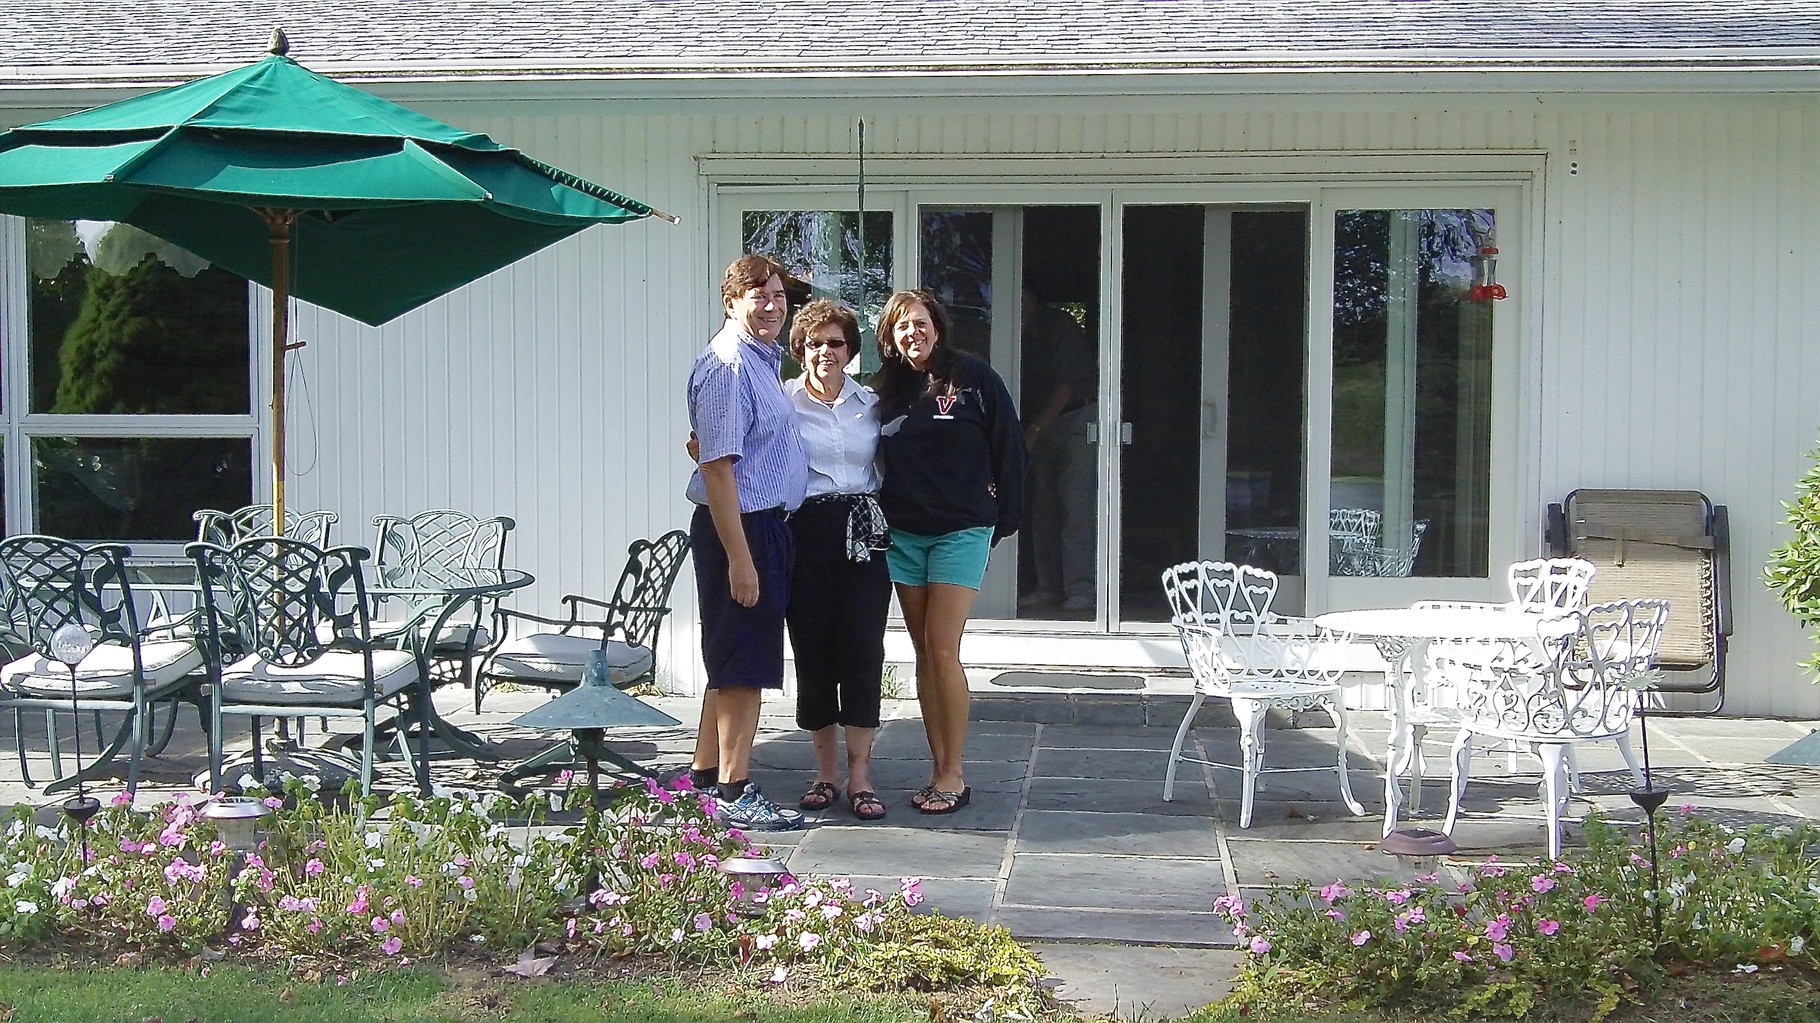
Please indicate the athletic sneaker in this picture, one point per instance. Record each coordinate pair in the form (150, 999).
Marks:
(752, 811)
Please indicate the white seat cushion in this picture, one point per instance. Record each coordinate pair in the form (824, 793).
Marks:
(106, 673)
(553, 657)
(336, 678)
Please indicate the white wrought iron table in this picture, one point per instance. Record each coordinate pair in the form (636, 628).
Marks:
(1403, 635)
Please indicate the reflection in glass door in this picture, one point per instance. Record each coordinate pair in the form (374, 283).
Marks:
(829, 254)
(1032, 274)
(1412, 376)
(1214, 348)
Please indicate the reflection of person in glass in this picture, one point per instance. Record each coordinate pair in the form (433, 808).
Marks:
(752, 476)
(1060, 387)
(952, 454)
(840, 592)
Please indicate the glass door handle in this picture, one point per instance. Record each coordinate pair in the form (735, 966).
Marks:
(1124, 433)
(1210, 419)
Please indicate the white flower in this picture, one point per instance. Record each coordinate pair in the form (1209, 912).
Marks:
(17, 878)
(1797, 945)
(373, 838)
(1735, 846)
(63, 886)
(24, 908)
(1745, 968)
(556, 803)
(247, 782)
(45, 833)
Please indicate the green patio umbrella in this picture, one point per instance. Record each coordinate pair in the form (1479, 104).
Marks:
(310, 187)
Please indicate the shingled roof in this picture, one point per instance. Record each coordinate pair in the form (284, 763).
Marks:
(72, 41)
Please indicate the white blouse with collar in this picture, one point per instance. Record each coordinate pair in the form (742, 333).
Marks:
(841, 440)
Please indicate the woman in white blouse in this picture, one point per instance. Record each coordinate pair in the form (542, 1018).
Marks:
(840, 590)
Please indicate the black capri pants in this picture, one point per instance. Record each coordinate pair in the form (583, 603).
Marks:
(836, 619)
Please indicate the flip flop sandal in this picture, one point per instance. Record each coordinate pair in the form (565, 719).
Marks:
(953, 800)
(922, 795)
(866, 805)
(820, 796)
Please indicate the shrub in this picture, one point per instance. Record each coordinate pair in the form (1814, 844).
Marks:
(1514, 936)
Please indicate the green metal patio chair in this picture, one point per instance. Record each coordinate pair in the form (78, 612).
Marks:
(47, 583)
(288, 635)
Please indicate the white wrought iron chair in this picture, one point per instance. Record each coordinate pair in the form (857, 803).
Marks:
(1548, 583)
(1240, 651)
(1372, 554)
(1580, 682)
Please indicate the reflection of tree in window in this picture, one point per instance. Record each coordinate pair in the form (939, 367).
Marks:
(123, 323)
(135, 326)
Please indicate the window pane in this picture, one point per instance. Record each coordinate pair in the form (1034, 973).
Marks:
(823, 252)
(122, 322)
(137, 488)
(1411, 394)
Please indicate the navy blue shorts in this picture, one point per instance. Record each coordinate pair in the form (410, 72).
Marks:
(743, 646)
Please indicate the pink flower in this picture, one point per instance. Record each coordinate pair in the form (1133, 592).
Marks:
(154, 906)
(1336, 914)
(1334, 892)
(398, 918)
(1361, 938)
(684, 860)
(251, 923)
(913, 891)
(1548, 927)
(1397, 897)
(381, 925)
(313, 868)
(274, 802)
(1463, 956)
(122, 798)
(465, 881)
(1505, 952)
(1417, 915)
(808, 940)
(391, 946)
(650, 862)
(1260, 945)
(314, 926)
(1593, 902)
(1542, 883)
(1498, 929)
(703, 922)
(413, 880)
(167, 922)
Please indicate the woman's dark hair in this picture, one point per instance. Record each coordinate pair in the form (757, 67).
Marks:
(898, 383)
(818, 314)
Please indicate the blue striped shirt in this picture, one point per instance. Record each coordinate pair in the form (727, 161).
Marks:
(737, 407)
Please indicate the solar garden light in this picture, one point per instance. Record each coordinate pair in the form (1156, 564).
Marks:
(236, 820)
(1419, 849)
(70, 644)
(755, 871)
(1649, 798)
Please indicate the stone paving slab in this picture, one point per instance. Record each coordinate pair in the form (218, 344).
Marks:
(1118, 795)
(1125, 926)
(1113, 882)
(1126, 834)
(1266, 864)
(1138, 983)
(953, 854)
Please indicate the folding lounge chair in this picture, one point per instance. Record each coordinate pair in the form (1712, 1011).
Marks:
(1672, 544)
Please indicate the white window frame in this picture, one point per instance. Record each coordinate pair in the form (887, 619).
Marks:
(19, 426)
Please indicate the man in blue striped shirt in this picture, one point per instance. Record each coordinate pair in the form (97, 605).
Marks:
(751, 475)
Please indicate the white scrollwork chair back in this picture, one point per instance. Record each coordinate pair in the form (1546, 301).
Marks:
(1241, 651)
(1581, 681)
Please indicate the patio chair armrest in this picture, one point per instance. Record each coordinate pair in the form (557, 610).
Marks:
(1722, 570)
(191, 620)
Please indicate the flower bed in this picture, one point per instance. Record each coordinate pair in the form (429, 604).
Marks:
(1517, 936)
(422, 877)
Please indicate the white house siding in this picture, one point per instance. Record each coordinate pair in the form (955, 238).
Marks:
(1671, 342)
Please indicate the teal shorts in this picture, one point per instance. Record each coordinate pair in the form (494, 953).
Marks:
(957, 558)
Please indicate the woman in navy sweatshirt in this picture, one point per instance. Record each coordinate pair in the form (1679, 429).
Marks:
(951, 452)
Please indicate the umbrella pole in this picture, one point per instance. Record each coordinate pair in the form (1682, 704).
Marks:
(279, 223)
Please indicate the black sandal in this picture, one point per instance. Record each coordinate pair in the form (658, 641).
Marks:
(866, 805)
(820, 796)
(953, 800)
(921, 796)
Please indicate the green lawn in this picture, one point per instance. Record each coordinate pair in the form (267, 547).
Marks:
(233, 994)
